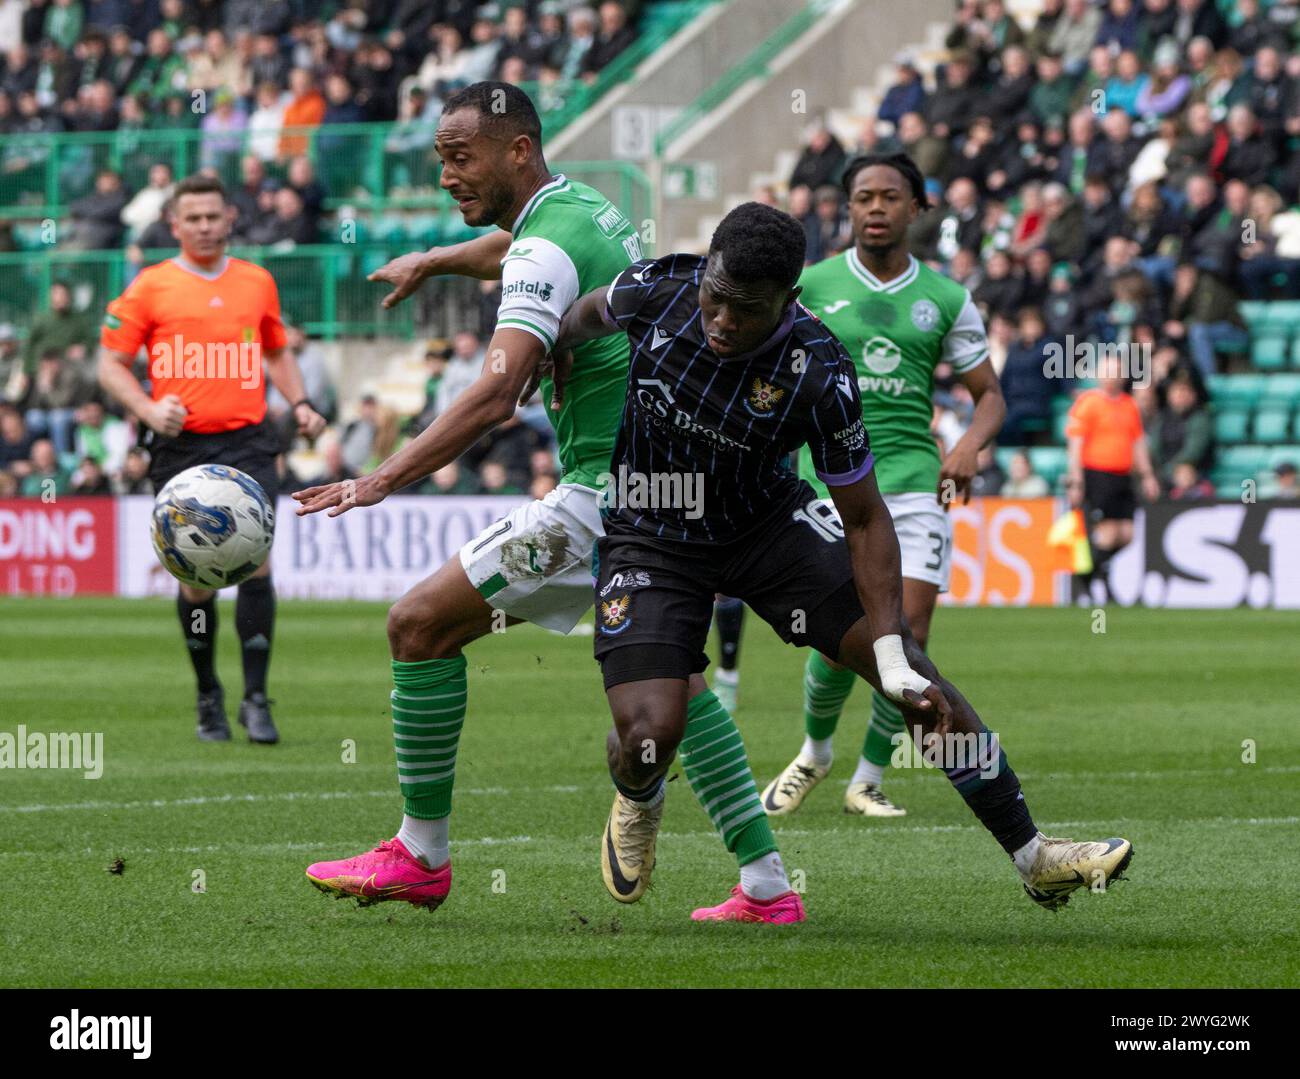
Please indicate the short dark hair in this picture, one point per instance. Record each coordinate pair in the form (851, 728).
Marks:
(198, 184)
(505, 109)
(900, 162)
(760, 243)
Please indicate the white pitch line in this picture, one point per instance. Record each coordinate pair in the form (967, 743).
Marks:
(493, 841)
(295, 796)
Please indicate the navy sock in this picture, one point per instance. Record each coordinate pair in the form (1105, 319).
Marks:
(642, 795)
(255, 622)
(199, 625)
(992, 790)
(729, 613)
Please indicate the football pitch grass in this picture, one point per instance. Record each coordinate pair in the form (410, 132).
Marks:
(1137, 731)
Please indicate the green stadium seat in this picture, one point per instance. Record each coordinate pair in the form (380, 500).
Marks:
(1049, 462)
(1230, 424)
(1284, 315)
(1242, 390)
(1272, 423)
(1295, 352)
(1254, 312)
(1245, 460)
(1003, 454)
(1268, 353)
(1281, 389)
(1278, 454)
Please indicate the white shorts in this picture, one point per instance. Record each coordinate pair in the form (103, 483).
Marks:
(535, 563)
(924, 536)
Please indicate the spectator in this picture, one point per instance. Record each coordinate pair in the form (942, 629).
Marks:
(1044, 26)
(1064, 237)
(266, 122)
(56, 389)
(267, 64)
(1198, 18)
(1022, 481)
(287, 223)
(97, 217)
(463, 368)
(1167, 88)
(569, 59)
(451, 479)
(223, 127)
(1189, 485)
(1119, 27)
(1157, 23)
(1102, 217)
(359, 435)
(8, 485)
(333, 468)
(1268, 92)
(61, 329)
(11, 363)
(1265, 269)
(134, 477)
(495, 481)
(951, 106)
(1001, 291)
(317, 386)
(63, 22)
(830, 231)
(44, 477)
(1116, 150)
(15, 440)
(1074, 34)
(101, 436)
(244, 195)
(1128, 84)
(615, 35)
(1049, 100)
(821, 162)
(1026, 386)
(1285, 484)
(988, 481)
(975, 156)
(214, 66)
(304, 110)
(124, 60)
(906, 95)
(960, 227)
(1250, 157)
(162, 72)
(1203, 311)
(929, 153)
(1038, 278)
(89, 479)
(147, 205)
(541, 486)
(1182, 432)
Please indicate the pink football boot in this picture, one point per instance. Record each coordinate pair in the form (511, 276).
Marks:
(784, 909)
(389, 871)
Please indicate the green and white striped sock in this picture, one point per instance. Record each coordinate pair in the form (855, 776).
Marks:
(878, 746)
(717, 769)
(428, 702)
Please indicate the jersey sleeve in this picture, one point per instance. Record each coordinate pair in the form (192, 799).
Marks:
(538, 284)
(127, 320)
(632, 291)
(838, 444)
(966, 344)
(1079, 419)
(272, 328)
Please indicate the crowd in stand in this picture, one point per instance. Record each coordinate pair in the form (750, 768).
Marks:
(253, 76)
(1121, 173)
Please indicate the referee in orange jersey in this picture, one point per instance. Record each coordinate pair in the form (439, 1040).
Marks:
(1105, 444)
(208, 406)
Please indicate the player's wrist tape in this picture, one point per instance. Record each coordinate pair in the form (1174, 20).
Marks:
(896, 673)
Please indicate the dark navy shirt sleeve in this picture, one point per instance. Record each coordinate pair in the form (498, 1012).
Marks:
(837, 440)
(633, 292)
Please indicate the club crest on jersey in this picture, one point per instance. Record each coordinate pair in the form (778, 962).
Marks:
(763, 398)
(614, 615)
(881, 355)
(925, 315)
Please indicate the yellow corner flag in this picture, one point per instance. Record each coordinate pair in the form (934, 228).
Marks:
(1068, 539)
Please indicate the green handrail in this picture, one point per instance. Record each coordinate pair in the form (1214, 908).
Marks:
(756, 64)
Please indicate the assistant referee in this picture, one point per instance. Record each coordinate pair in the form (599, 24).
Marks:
(210, 325)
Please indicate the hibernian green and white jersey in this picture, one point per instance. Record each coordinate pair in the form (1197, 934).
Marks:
(897, 333)
(568, 240)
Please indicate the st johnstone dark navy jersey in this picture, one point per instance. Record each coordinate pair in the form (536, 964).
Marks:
(699, 455)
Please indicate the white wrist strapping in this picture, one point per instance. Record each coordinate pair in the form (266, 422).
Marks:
(896, 674)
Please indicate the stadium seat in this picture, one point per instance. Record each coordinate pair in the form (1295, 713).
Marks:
(1268, 353)
(1295, 352)
(1281, 454)
(1230, 424)
(1283, 389)
(1049, 462)
(1242, 390)
(1254, 313)
(1245, 460)
(1272, 423)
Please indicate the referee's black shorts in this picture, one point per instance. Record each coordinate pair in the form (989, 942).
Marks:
(1108, 495)
(654, 597)
(252, 449)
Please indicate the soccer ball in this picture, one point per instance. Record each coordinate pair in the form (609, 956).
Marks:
(212, 526)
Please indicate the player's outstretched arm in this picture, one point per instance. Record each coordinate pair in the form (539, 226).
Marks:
(480, 258)
(512, 357)
(877, 573)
